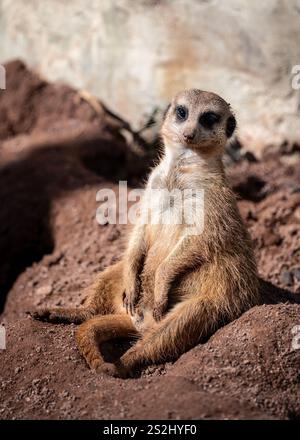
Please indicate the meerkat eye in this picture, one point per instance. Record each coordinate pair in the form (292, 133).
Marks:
(208, 119)
(181, 112)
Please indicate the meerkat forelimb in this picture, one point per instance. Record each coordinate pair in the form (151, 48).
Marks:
(133, 265)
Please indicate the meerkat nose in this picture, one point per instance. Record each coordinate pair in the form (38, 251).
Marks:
(189, 136)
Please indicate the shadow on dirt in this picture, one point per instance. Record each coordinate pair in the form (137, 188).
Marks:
(30, 184)
(272, 294)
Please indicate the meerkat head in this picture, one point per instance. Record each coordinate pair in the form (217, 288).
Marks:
(198, 120)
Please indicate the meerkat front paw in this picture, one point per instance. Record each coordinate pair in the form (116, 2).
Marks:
(131, 296)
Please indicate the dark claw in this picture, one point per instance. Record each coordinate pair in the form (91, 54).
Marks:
(129, 305)
(158, 310)
(131, 309)
(157, 314)
(125, 302)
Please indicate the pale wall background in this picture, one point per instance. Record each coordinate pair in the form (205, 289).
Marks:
(135, 54)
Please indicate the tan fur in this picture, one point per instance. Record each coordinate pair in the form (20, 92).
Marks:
(179, 288)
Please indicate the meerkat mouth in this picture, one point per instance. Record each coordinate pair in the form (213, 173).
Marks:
(190, 142)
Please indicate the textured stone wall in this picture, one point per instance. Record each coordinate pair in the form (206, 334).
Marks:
(135, 54)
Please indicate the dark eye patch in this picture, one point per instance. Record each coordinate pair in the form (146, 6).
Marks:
(230, 126)
(181, 112)
(208, 119)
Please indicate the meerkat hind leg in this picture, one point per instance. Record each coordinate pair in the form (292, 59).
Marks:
(181, 329)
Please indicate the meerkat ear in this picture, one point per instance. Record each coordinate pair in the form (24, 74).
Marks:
(166, 111)
(230, 126)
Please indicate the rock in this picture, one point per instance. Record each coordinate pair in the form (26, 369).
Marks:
(248, 155)
(286, 278)
(296, 274)
(44, 290)
(270, 238)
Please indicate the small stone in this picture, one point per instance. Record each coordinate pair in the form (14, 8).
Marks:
(17, 370)
(296, 273)
(271, 239)
(295, 189)
(286, 278)
(44, 290)
(250, 156)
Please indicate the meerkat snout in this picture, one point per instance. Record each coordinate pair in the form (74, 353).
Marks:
(198, 120)
(189, 136)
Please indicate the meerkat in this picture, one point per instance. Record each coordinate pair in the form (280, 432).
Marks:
(173, 289)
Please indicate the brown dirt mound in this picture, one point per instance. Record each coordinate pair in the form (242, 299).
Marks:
(56, 152)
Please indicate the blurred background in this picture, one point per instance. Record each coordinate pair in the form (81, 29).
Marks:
(134, 55)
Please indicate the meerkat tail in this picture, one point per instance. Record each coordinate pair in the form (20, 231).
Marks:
(104, 296)
(98, 330)
(184, 326)
(75, 315)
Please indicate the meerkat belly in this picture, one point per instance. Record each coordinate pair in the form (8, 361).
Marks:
(162, 240)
